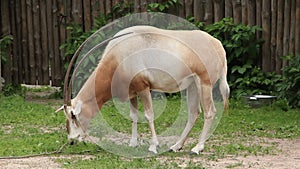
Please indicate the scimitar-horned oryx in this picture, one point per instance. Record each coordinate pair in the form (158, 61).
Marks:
(145, 58)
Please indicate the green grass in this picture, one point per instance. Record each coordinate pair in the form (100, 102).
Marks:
(31, 128)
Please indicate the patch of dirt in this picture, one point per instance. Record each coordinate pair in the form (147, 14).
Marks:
(287, 158)
(38, 162)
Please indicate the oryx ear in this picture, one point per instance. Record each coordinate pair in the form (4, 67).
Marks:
(61, 108)
(77, 108)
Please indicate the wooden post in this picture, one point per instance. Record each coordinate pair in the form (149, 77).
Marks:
(208, 18)
(87, 15)
(219, 10)
(188, 8)
(266, 26)
(258, 17)
(32, 70)
(44, 43)
(244, 12)
(297, 31)
(198, 10)
(182, 9)
(286, 33)
(292, 28)
(237, 11)
(273, 32)
(228, 9)
(279, 37)
(37, 41)
(251, 12)
(15, 58)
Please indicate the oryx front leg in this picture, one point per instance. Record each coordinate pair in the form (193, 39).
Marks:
(193, 101)
(209, 113)
(134, 117)
(149, 115)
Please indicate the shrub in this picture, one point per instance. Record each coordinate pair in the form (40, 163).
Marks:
(289, 87)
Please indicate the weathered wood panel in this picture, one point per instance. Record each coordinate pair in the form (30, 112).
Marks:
(39, 28)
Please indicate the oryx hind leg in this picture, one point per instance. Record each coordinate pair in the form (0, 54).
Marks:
(149, 115)
(134, 117)
(209, 113)
(193, 101)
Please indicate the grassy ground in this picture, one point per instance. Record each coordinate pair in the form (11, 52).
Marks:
(34, 128)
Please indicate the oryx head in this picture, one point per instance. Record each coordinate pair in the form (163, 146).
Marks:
(75, 122)
(74, 126)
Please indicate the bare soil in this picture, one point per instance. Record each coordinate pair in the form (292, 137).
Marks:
(288, 157)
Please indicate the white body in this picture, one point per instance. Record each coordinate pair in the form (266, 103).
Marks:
(154, 59)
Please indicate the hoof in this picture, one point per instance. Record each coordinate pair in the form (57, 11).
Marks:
(133, 143)
(194, 153)
(152, 149)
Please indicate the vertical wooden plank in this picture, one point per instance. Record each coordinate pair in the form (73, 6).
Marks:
(15, 58)
(143, 5)
(286, 33)
(32, 70)
(62, 22)
(87, 15)
(219, 10)
(108, 8)
(181, 11)
(101, 6)
(258, 18)
(292, 27)
(56, 64)
(279, 36)
(251, 12)
(6, 30)
(77, 11)
(237, 11)
(228, 9)
(25, 68)
(273, 32)
(297, 31)
(188, 8)
(44, 43)
(95, 7)
(68, 20)
(50, 39)
(244, 12)
(37, 40)
(137, 7)
(266, 22)
(209, 12)
(198, 10)
(19, 40)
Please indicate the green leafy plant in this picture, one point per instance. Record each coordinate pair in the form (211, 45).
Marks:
(164, 6)
(289, 87)
(242, 50)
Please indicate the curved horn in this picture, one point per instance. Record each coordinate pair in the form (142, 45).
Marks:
(68, 86)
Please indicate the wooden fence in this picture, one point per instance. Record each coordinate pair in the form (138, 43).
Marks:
(39, 28)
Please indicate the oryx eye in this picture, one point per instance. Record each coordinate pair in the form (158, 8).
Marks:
(73, 116)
